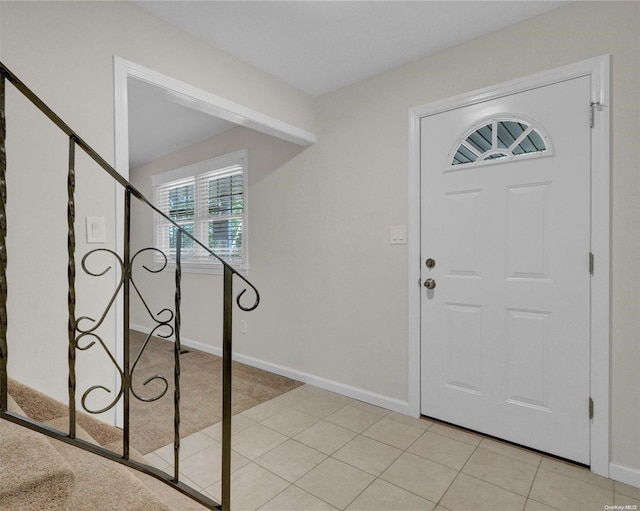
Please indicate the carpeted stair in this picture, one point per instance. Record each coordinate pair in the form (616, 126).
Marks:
(33, 475)
(42, 474)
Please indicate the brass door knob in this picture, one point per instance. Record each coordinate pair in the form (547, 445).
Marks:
(430, 283)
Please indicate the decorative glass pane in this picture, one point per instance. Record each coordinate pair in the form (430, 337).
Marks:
(537, 141)
(508, 132)
(464, 155)
(496, 156)
(534, 143)
(481, 139)
(499, 140)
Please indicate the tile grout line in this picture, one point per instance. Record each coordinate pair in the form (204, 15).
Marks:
(439, 503)
(533, 481)
(327, 456)
(377, 477)
(526, 497)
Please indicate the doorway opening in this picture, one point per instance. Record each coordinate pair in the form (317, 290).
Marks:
(213, 111)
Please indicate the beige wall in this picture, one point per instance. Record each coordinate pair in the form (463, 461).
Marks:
(356, 175)
(64, 51)
(201, 294)
(334, 290)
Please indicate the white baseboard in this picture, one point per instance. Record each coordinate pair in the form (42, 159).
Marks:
(366, 396)
(339, 388)
(626, 475)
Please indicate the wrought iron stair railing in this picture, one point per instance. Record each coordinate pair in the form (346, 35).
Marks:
(76, 333)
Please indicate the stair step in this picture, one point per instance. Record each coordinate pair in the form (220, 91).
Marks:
(96, 483)
(101, 483)
(105, 484)
(153, 490)
(33, 474)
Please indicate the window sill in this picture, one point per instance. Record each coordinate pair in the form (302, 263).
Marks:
(205, 269)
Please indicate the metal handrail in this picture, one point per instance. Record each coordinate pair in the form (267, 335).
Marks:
(126, 279)
(29, 94)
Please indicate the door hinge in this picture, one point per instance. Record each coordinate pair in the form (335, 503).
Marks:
(591, 263)
(590, 408)
(592, 116)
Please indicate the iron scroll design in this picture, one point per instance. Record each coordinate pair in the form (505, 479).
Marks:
(163, 324)
(162, 319)
(160, 324)
(239, 297)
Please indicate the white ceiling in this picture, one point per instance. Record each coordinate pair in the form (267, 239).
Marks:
(158, 125)
(321, 46)
(316, 46)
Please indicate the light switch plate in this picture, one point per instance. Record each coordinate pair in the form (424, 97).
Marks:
(95, 229)
(398, 235)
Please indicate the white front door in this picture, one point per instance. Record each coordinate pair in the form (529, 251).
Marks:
(505, 219)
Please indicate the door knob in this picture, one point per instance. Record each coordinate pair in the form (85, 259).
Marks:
(430, 263)
(430, 283)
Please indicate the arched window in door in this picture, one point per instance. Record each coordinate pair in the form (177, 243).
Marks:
(503, 138)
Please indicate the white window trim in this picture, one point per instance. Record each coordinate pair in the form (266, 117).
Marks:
(196, 169)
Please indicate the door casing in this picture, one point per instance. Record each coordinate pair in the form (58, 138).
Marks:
(198, 99)
(598, 69)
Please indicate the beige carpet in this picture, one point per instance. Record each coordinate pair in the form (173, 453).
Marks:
(152, 423)
(43, 409)
(200, 392)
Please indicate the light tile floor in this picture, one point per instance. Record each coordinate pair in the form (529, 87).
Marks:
(313, 450)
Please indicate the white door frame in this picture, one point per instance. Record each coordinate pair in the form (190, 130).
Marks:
(192, 97)
(599, 70)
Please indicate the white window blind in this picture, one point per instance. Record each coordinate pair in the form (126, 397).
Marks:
(208, 200)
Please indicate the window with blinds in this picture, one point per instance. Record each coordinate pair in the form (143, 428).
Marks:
(208, 200)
